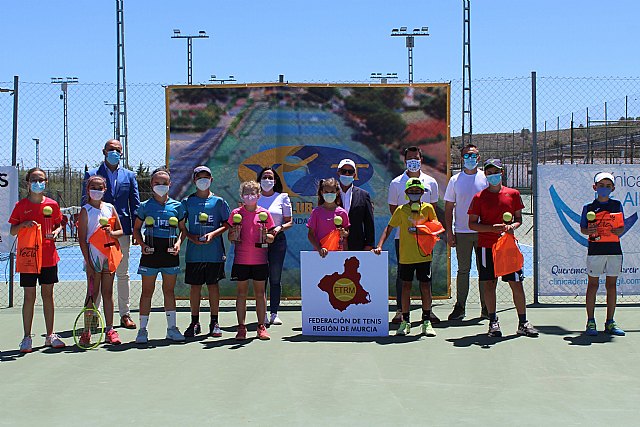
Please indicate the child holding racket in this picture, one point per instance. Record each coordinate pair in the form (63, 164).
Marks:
(99, 217)
(250, 232)
(160, 252)
(603, 221)
(412, 261)
(37, 209)
(327, 218)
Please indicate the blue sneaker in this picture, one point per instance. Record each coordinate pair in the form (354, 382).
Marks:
(591, 329)
(612, 328)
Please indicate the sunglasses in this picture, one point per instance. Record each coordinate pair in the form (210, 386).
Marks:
(470, 156)
(347, 171)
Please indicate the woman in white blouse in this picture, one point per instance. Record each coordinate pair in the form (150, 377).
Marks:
(273, 199)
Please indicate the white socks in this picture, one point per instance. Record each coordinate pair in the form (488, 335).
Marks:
(144, 321)
(171, 319)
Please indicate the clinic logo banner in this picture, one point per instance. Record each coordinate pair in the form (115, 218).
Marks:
(563, 191)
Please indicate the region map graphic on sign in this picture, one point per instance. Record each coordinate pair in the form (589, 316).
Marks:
(345, 289)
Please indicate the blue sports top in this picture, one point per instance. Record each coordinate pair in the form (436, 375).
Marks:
(218, 212)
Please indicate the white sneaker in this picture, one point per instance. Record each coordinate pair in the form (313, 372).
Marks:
(275, 320)
(266, 320)
(26, 345)
(143, 336)
(54, 341)
(173, 334)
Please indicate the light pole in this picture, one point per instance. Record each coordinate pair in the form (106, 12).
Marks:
(114, 114)
(383, 77)
(37, 141)
(409, 36)
(66, 168)
(201, 35)
(213, 79)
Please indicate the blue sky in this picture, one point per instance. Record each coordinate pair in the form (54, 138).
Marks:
(327, 40)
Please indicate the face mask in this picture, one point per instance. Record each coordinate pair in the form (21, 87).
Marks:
(38, 187)
(161, 190)
(346, 180)
(203, 184)
(470, 163)
(96, 194)
(267, 184)
(113, 157)
(329, 197)
(603, 191)
(413, 165)
(414, 197)
(494, 179)
(250, 199)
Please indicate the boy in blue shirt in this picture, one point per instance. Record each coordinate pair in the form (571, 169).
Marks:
(604, 254)
(205, 214)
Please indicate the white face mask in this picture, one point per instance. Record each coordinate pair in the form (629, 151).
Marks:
(413, 165)
(250, 199)
(329, 197)
(161, 190)
(96, 194)
(267, 184)
(203, 184)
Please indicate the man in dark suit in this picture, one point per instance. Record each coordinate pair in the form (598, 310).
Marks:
(357, 202)
(122, 193)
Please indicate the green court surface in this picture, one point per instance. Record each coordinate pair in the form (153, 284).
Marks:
(460, 377)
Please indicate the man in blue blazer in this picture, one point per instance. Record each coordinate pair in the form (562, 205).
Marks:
(122, 193)
(357, 202)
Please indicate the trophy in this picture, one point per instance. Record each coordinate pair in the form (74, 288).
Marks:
(415, 209)
(47, 224)
(236, 228)
(591, 219)
(262, 221)
(173, 234)
(104, 222)
(203, 218)
(149, 223)
(337, 221)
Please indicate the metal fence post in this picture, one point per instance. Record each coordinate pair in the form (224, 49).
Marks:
(14, 162)
(534, 183)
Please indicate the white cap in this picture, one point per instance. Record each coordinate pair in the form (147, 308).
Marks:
(344, 162)
(603, 175)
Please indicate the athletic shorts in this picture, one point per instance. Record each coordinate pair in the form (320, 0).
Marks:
(485, 259)
(242, 272)
(610, 265)
(150, 271)
(160, 258)
(422, 271)
(200, 273)
(47, 276)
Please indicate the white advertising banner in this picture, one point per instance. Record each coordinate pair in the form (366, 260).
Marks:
(8, 199)
(562, 192)
(345, 294)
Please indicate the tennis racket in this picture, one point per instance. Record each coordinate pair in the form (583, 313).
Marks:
(88, 329)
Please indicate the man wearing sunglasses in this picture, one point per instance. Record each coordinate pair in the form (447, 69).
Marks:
(357, 202)
(460, 191)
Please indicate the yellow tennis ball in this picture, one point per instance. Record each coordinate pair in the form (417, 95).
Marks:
(149, 221)
(591, 216)
(507, 217)
(103, 221)
(415, 207)
(173, 221)
(262, 216)
(47, 211)
(237, 219)
(203, 217)
(337, 220)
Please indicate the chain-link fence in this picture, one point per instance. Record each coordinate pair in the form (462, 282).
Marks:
(579, 120)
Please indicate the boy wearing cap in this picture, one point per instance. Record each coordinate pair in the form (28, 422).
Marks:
(412, 261)
(486, 217)
(206, 215)
(604, 253)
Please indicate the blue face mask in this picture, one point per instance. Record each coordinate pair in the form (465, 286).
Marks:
(494, 179)
(604, 191)
(113, 158)
(346, 180)
(38, 187)
(470, 163)
(329, 197)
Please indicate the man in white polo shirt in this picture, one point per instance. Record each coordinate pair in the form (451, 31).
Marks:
(460, 191)
(397, 197)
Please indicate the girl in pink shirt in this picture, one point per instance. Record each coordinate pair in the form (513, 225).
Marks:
(250, 233)
(322, 221)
